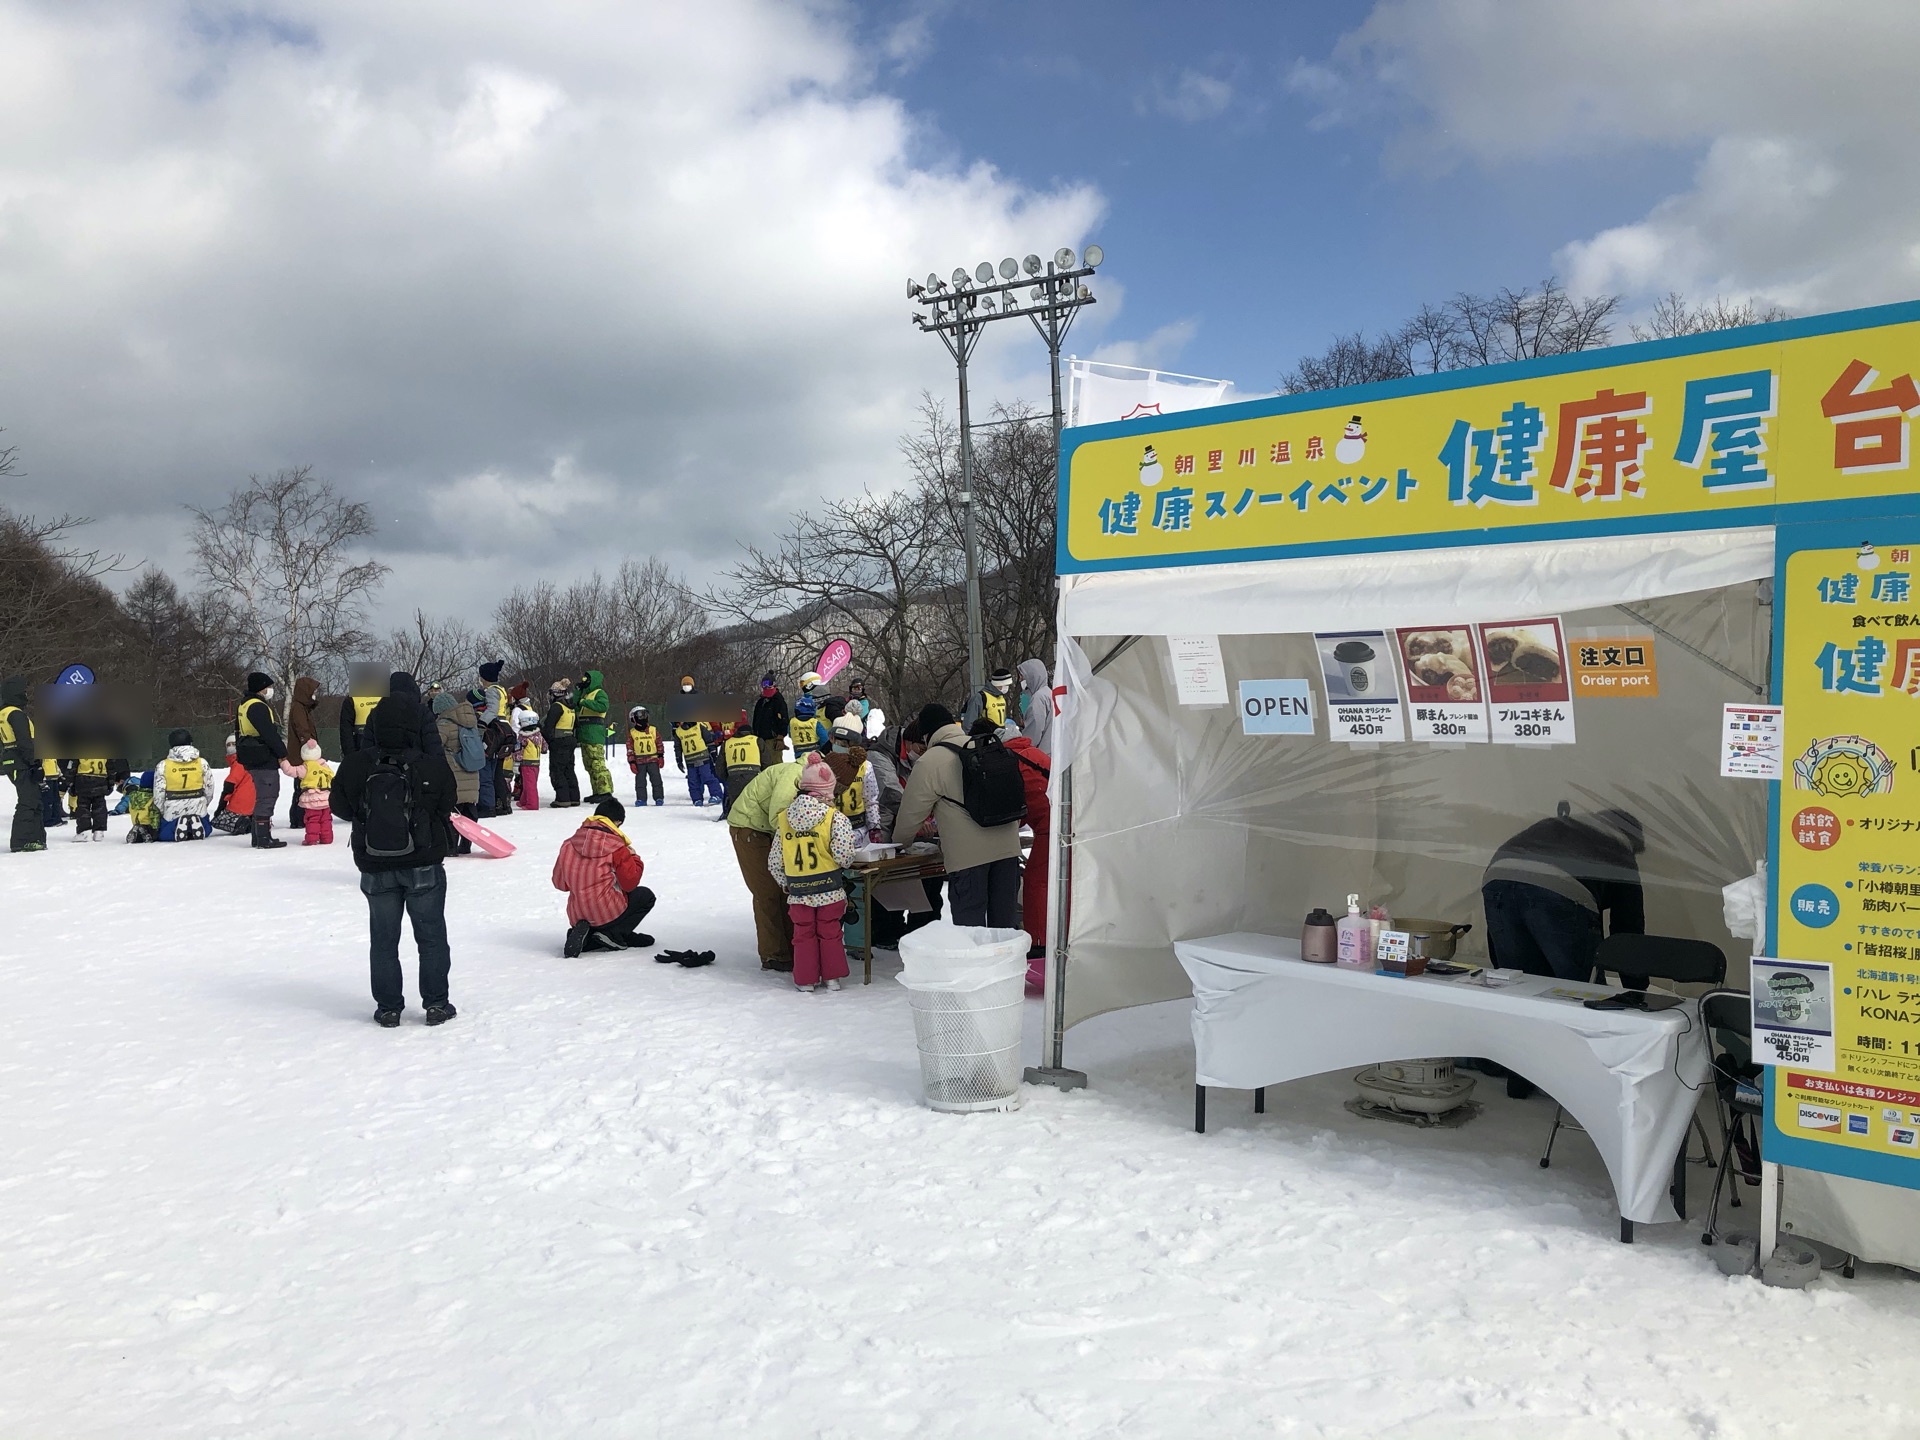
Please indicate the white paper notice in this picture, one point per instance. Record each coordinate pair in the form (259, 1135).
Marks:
(1751, 746)
(1199, 674)
(1793, 1014)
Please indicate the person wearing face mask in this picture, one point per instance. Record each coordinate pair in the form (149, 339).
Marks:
(770, 721)
(262, 753)
(994, 703)
(1036, 705)
(591, 728)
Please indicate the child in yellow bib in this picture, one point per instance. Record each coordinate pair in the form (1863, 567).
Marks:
(314, 794)
(813, 844)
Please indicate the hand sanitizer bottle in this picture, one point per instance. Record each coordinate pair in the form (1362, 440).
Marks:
(1353, 941)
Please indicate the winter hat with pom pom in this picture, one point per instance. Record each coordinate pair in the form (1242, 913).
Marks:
(816, 778)
(310, 750)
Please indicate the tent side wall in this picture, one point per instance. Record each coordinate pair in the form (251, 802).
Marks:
(1184, 827)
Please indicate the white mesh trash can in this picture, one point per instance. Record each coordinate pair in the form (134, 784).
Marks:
(967, 989)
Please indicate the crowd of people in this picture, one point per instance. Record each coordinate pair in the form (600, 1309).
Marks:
(801, 786)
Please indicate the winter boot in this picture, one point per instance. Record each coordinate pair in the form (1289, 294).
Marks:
(263, 835)
(441, 1013)
(576, 939)
(386, 1019)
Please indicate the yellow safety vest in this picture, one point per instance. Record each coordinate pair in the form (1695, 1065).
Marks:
(8, 736)
(645, 743)
(317, 777)
(529, 754)
(564, 725)
(248, 725)
(853, 800)
(805, 733)
(181, 779)
(94, 769)
(362, 708)
(993, 705)
(743, 753)
(807, 857)
(693, 743)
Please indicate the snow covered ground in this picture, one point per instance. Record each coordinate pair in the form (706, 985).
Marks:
(615, 1198)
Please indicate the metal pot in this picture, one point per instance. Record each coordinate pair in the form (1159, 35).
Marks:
(1435, 939)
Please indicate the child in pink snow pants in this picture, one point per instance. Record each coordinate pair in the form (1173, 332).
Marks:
(814, 842)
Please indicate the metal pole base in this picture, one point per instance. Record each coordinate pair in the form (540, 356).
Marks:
(1056, 1076)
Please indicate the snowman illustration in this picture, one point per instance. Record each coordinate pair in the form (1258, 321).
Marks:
(1352, 443)
(1150, 471)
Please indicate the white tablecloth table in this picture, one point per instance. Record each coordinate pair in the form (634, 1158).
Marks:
(1262, 1016)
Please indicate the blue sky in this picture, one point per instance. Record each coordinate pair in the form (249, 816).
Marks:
(1233, 200)
(526, 278)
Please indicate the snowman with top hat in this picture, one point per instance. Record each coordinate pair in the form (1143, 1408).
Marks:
(1352, 443)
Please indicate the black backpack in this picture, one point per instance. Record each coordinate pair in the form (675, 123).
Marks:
(386, 809)
(992, 792)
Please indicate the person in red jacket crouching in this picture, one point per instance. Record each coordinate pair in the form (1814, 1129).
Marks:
(600, 873)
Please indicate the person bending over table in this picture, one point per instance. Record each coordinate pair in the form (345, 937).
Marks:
(1550, 888)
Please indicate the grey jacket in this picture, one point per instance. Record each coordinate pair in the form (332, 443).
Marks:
(934, 789)
(1038, 725)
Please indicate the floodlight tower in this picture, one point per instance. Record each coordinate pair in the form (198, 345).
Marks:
(958, 311)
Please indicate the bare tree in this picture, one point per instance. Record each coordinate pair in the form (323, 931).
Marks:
(1349, 360)
(279, 557)
(53, 606)
(1467, 330)
(9, 458)
(865, 568)
(177, 652)
(434, 651)
(1015, 501)
(644, 628)
(1673, 317)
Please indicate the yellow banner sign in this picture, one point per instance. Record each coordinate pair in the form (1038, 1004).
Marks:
(1709, 430)
(1848, 846)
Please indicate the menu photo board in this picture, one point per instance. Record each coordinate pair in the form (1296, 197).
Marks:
(1529, 694)
(1446, 679)
(1839, 1012)
(1363, 686)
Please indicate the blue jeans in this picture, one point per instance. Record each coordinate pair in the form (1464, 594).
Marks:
(422, 895)
(1537, 931)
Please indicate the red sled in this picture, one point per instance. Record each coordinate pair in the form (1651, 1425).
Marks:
(498, 846)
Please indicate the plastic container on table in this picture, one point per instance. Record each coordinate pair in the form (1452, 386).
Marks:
(966, 986)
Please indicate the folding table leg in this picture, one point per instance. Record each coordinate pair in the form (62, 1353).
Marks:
(1680, 1179)
(1200, 1109)
(1260, 1101)
(1626, 1231)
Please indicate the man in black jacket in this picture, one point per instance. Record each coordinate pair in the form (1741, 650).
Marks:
(1550, 887)
(770, 719)
(21, 765)
(263, 755)
(367, 791)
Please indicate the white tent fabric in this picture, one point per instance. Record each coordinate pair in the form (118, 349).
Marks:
(1408, 587)
(1184, 827)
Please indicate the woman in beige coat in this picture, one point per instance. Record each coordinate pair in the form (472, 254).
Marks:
(453, 715)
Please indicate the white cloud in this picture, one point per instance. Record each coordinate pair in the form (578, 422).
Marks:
(1806, 188)
(1193, 96)
(1158, 351)
(547, 285)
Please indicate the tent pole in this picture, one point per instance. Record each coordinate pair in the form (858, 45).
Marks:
(1059, 915)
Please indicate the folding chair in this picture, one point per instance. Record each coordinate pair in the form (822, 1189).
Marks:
(1636, 959)
(1728, 1018)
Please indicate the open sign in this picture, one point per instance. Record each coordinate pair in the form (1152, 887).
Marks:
(1276, 707)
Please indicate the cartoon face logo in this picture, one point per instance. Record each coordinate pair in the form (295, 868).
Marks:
(1844, 765)
(1352, 443)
